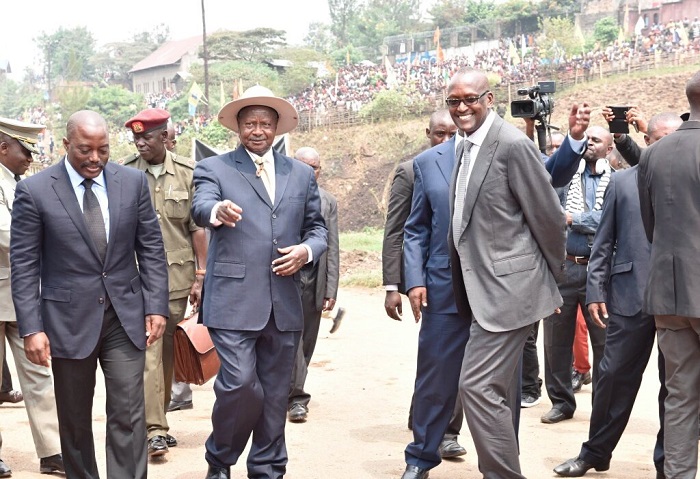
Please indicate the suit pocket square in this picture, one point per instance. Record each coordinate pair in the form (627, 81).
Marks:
(55, 294)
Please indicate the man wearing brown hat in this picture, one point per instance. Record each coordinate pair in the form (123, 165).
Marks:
(18, 141)
(170, 183)
(265, 212)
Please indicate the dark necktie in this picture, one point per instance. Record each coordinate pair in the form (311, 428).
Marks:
(461, 191)
(94, 219)
(17, 178)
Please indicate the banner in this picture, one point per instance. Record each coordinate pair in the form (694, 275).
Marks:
(195, 96)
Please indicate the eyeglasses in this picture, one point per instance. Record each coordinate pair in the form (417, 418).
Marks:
(454, 102)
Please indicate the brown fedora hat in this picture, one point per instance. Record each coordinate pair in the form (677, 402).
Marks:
(260, 96)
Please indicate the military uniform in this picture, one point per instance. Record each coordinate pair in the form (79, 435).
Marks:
(171, 194)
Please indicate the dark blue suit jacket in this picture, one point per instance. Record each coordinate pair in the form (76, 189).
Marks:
(620, 259)
(240, 288)
(562, 165)
(58, 279)
(426, 256)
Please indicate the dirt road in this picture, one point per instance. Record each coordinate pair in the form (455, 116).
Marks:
(361, 380)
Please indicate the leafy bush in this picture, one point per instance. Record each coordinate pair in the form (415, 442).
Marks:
(394, 104)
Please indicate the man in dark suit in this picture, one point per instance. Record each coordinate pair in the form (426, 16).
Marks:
(252, 298)
(78, 230)
(617, 273)
(443, 333)
(506, 244)
(669, 195)
(319, 290)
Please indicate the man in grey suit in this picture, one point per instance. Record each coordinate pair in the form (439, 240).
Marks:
(252, 291)
(506, 245)
(319, 290)
(89, 284)
(669, 196)
(617, 273)
(17, 143)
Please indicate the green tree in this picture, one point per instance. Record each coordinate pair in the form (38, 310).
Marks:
(340, 56)
(251, 45)
(67, 54)
(396, 103)
(378, 19)
(15, 97)
(115, 103)
(557, 34)
(300, 74)
(319, 37)
(448, 13)
(606, 30)
(343, 14)
(516, 17)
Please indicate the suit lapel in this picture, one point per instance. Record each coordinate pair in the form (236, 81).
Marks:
(282, 168)
(446, 159)
(114, 199)
(247, 168)
(482, 163)
(64, 190)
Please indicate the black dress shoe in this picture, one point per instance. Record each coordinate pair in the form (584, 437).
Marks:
(12, 397)
(578, 380)
(415, 472)
(179, 405)
(170, 440)
(577, 467)
(297, 412)
(157, 446)
(451, 448)
(51, 464)
(338, 318)
(554, 416)
(5, 470)
(215, 472)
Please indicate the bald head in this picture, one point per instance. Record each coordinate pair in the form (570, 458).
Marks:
(692, 91)
(308, 155)
(171, 141)
(85, 119)
(470, 90)
(440, 128)
(661, 125)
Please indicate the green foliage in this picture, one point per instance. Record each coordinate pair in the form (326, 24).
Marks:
(300, 75)
(448, 13)
(378, 19)
(252, 45)
(114, 60)
(369, 239)
(343, 14)
(558, 33)
(516, 17)
(72, 99)
(15, 98)
(394, 104)
(213, 135)
(68, 53)
(250, 73)
(115, 103)
(606, 30)
(340, 56)
(319, 37)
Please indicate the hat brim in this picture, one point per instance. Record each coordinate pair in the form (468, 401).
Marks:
(32, 147)
(288, 116)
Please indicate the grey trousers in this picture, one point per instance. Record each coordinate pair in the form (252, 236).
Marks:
(679, 340)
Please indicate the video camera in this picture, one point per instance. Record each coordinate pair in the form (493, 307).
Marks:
(539, 105)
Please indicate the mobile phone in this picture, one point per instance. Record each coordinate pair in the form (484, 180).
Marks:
(619, 122)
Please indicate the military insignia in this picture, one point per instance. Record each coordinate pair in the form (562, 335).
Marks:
(137, 126)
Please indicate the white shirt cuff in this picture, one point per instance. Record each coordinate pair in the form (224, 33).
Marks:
(391, 287)
(212, 217)
(309, 253)
(578, 145)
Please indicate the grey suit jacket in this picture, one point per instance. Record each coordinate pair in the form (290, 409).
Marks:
(240, 288)
(397, 213)
(327, 273)
(511, 249)
(669, 194)
(58, 279)
(619, 264)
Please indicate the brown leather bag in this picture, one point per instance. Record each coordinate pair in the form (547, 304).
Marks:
(196, 361)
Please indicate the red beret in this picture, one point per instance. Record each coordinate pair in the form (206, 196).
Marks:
(148, 120)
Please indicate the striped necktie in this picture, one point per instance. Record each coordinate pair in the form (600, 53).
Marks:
(94, 219)
(461, 192)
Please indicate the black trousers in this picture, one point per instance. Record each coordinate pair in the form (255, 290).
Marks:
(532, 384)
(74, 382)
(559, 330)
(627, 349)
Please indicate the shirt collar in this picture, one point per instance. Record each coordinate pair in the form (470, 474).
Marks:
(477, 138)
(267, 157)
(76, 179)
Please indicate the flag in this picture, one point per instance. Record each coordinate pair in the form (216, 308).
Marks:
(620, 36)
(391, 79)
(202, 150)
(440, 55)
(639, 26)
(523, 47)
(436, 36)
(195, 96)
(578, 34)
(626, 18)
(513, 54)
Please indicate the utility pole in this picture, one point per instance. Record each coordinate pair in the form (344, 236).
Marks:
(206, 61)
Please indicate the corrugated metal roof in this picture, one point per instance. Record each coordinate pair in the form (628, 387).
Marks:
(168, 54)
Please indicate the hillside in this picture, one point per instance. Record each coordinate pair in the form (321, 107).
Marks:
(358, 162)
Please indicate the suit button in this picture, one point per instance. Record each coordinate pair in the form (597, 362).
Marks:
(274, 241)
(182, 262)
(157, 189)
(158, 216)
(274, 216)
(104, 274)
(101, 301)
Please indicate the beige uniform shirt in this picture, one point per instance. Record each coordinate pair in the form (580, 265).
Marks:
(171, 194)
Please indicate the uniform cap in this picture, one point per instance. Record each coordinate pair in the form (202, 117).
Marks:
(147, 120)
(26, 133)
(260, 96)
